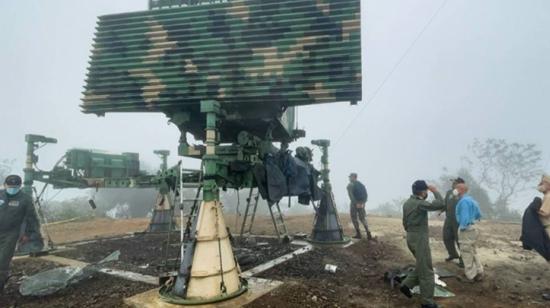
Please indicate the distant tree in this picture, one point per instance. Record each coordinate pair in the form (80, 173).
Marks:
(393, 208)
(148, 168)
(505, 168)
(479, 193)
(67, 209)
(140, 200)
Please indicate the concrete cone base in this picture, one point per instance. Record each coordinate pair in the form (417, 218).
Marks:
(327, 229)
(162, 221)
(163, 215)
(257, 287)
(165, 296)
(344, 241)
(213, 264)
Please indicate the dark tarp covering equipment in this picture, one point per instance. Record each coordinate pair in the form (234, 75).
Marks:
(283, 175)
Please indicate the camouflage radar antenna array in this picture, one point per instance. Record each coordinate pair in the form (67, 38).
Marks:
(230, 74)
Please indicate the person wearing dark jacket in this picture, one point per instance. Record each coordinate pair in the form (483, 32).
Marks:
(358, 197)
(450, 227)
(535, 229)
(533, 233)
(16, 208)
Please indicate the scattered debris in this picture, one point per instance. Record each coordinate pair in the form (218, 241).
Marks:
(245, 256)
(443, 273)
(151, 249)
(330, 268)
(396, 276)
(438, 292)
(439, 282)
(53, 280)
(120, 211)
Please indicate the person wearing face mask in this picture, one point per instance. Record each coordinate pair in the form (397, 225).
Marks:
(467, 215)
(16, 208)
(450, 226)
(415, 222)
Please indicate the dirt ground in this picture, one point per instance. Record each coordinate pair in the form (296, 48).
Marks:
(145, 253)
(100, 291)
(515, 277)
(94, 228)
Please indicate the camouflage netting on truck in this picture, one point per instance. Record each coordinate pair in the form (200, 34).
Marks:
(277, 52)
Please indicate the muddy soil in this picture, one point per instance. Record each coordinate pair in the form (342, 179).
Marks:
(357, 282)
(100, 291)
(144, 253)
(514, 277)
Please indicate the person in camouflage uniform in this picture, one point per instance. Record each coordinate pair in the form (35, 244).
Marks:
(358, 197)
(415, 222)
(16, 209)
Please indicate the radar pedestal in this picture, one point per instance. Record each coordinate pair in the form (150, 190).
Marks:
(327, 228)
(208, 270)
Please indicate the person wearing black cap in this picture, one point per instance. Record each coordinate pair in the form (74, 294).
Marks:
(450, 227)
(415, 222)
(358, 197)
(16, 208)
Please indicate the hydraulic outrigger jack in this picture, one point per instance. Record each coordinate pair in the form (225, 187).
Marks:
(327, 228)
(163, 215)
(162, 219)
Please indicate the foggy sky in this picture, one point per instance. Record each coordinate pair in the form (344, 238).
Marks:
(481, 69)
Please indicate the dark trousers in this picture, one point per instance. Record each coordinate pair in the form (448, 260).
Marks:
(358, 215)
(8, 241)
(450, 238)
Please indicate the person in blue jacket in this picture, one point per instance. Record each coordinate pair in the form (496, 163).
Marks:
(467, 215)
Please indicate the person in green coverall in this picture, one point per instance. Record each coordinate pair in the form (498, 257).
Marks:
(450, 227)
(415, 222)
(16, 208)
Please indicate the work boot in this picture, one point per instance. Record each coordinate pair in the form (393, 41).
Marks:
(546, 296)
(434, 305)
(449, 259)
(358, 235)
(405, 290)
(370, 237)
